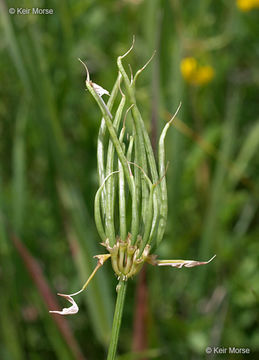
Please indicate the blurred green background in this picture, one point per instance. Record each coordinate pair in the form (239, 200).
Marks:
(48, 178)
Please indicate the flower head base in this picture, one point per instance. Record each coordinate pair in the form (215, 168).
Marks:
(126, 259)
(194, 73)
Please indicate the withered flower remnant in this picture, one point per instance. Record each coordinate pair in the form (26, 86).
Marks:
(131, 203)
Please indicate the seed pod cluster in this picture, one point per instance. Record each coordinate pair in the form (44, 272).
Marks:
(130, 206)
(131, 202)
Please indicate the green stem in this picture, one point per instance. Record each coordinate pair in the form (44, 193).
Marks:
(122, 286)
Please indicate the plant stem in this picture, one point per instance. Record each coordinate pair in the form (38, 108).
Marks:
(122, 286)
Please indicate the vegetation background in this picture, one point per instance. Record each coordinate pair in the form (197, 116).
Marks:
(48, 178)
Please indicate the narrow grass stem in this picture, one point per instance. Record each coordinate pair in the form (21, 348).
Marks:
(122, 286)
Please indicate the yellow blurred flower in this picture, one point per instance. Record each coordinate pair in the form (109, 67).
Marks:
(194, 73)
(188, 67)
(247, 5)
(204, 75)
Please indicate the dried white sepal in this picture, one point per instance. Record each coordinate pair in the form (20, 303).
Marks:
(99, 90)
(180, 263)
(67, 311)
(74, 308)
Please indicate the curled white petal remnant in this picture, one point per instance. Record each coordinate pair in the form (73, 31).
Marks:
(74, 308)
(99, 90)
(67, 311)
(180, 263)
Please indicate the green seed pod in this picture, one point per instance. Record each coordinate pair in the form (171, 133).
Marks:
(130, 205)
(131, 202)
